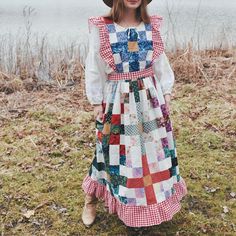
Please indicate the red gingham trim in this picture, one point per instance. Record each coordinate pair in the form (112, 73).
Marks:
(137, 216)
(105, 47)
(158, 45)
(132, 75)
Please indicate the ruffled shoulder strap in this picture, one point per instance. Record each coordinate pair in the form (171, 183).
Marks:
(95, 20)
(156, 21)
(105, 47)
(158, 45)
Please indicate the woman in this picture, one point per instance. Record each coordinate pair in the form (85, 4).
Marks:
(129, 81)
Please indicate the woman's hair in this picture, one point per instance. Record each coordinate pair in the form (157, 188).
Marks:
(117, 11)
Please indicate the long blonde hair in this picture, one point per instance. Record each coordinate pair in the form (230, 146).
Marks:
(117, 11)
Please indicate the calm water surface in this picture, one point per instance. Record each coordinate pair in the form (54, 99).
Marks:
(208, 23)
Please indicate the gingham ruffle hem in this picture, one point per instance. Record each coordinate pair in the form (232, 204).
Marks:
(138, 216)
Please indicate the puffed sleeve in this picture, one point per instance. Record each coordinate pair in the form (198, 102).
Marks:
(95, 73)
(164, 73)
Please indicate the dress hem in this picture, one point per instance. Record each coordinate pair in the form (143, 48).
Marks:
(137, 216)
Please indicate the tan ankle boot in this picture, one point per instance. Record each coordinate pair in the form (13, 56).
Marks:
(89, 210)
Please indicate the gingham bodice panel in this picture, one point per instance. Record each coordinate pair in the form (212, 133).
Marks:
(139, 39)
(129, 49)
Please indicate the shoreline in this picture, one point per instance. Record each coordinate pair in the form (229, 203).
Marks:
(188, 65)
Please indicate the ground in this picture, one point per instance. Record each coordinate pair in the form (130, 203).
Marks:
(47, 142)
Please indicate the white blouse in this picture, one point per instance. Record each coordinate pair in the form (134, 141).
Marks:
(96, 70)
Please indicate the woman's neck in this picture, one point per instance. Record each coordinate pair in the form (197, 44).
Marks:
(129, 17)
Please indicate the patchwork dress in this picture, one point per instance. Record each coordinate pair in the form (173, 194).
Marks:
(134, 167)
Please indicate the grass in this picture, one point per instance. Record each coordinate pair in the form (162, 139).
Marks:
(47, 141)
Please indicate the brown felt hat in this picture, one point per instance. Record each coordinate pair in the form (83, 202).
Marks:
(109, 3)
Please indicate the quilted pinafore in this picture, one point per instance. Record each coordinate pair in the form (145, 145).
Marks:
(134, 168)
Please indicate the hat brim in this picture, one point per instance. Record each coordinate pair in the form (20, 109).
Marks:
(109, 3)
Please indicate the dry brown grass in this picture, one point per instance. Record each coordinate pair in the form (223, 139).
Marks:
(47, 143)
(192, 66)
(65, 68)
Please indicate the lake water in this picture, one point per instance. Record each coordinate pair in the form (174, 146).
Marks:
(207, 23)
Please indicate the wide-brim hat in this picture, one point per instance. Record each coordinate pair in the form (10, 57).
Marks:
(109, 3)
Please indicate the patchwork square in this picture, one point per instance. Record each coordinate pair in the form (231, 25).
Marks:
(134, 140)
(113, 37)
(147, 180)
(133, 66)
(122, 36)
(145, 45)
(150, 152)
(114, 170)
(111, 28)
(153, 167)
(122, 160)
(117, 58)
(115, 129)
(122, 149)
(149, 35)
(140, 127)
(106, 128)
(161, 197)
(139, 192)
(148, 64)
(122, 108)
(148, 27)
(142, 64)
(99, 136)
(167, 152)
(122, 130)
(124, 56)
(165, 164)
(117, 180)
(138, 172)
(131, 201)
(120, 67)
(114, 139)
(99, 153)
(114, 152)
(126, 170)
(133, 118)
(173, 155)
(140, 84)
(170, 139)
(119, 47)
(115, 119)
(157, 188)
(168, 125)
(148, 94)
(161, 155)
(136, 156)
(142, 35)
(126, 67)
(142, 55)
(154, 102)
(164, 142)
(126, 120)
(133, 57)
(173, 171)
(167, 184)
(133, 46)
(149, 57)
(167, 194)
